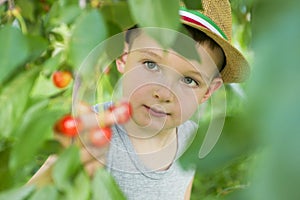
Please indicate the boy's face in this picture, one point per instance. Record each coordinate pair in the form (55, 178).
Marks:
(164, 88)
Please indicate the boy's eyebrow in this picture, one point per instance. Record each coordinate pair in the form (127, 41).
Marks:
(198, 73)
(151, 53)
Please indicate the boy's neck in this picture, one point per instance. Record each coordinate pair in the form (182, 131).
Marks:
(157, 151)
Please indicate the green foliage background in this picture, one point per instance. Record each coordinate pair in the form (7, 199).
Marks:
(257, 154)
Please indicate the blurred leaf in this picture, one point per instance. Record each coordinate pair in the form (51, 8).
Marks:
(115, 44)
(17, 194)
(105, 187)
(184, 45)
(44, 87)
(32, 133)
(37, 45)
(5, 175)
(69, 14)
(118, 13)
(66, 14)
(235, 142)
(158, 14)
(89, 31)
(46, 193)
(13, 50)
(193, 5)
(52, 64)
(13, 100)
(27, 9)
(65, 168)
(276, 111)
(80, 189)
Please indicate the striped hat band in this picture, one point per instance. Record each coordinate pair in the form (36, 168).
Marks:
(195, 17)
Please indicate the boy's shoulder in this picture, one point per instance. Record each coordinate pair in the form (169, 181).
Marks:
(186, 133)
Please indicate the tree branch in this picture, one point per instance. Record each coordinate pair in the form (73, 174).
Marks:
(11, 4)
(82, 3)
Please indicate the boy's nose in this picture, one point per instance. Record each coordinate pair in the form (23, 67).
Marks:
(163, 94)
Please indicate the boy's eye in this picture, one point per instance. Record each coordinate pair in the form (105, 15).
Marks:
(151, 65)
(190, 82)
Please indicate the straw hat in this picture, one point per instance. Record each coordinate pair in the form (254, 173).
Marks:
(215, 21)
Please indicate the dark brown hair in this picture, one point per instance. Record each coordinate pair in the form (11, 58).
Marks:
(196, 34)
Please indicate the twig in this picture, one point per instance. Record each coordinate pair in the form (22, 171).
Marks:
(11, 4)
(82, 3)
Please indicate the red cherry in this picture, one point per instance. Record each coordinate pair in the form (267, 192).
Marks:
(61, 79)
(100, 136)
(122, 112)
(68, 126)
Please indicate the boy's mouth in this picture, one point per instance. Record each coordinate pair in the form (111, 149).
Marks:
(156, 111)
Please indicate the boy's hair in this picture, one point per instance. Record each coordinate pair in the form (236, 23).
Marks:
(199, 36)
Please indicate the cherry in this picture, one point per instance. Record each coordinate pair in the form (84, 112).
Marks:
(100, 136)
(68, 126)
(61, 79)
(121, 111)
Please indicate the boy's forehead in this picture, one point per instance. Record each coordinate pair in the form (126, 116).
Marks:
(144, 44)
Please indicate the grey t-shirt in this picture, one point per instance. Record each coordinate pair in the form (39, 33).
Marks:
(138, 182)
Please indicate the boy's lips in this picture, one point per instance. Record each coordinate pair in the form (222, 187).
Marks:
(156, 111)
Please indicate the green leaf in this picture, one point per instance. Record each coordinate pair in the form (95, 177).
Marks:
(234, 142)
(35, 129)
(13, 100)
(52, 64)
(118, 13)
(80, 190)
(44, 87)
(17, 194)
(69, 14)
(105, 187)
(5, 175)
(46, 193)
(184, 45)
(13, 50)
(37, 45)
(157, 13)
(89, 31)
(27, 8)
(193, 5)
(65, 168)
(64, 14)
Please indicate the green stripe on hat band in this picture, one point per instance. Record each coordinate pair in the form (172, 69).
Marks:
(202, 20)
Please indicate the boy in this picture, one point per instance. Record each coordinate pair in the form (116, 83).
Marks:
(165, 90)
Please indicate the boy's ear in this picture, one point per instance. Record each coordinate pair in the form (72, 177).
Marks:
(121, 61)
(214, 85)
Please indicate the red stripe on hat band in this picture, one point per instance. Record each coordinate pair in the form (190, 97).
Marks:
(194, 22)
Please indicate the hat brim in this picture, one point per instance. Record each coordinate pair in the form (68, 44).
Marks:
(237, 68)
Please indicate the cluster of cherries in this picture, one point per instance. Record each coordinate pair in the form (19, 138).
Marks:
(99, 135)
